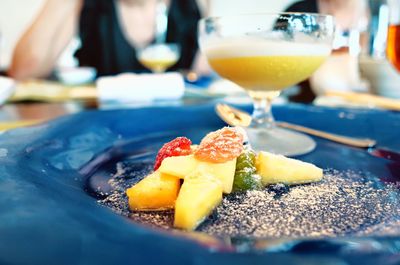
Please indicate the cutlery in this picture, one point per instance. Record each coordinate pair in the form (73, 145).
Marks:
(236, 117)
(366, 99)
(384, 153)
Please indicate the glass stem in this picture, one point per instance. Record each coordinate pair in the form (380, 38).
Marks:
(262, 115)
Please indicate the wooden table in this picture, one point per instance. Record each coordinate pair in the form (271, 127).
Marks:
(14, 115)
(41, 100)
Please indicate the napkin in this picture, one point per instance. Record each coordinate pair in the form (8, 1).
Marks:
(127, 88)
(50, 91)
(7, 88)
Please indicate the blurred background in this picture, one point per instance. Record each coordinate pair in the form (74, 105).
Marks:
(357, 64)
(16, 16)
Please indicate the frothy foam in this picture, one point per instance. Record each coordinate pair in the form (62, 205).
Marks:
(158, 53)
(249, 47)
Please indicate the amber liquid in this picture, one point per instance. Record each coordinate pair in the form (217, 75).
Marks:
(158, 65)
(393, 45)
(266, 73)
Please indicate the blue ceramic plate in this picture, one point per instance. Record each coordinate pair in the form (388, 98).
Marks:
(47, 215)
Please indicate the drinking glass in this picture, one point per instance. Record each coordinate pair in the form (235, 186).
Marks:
(393, 40)
(160, 56)
(264, 54)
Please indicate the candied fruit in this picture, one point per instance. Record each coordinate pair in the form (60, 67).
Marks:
(245, 174)
(245, 160)
(180, 146)
(220, 146)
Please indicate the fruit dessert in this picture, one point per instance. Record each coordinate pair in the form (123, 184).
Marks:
(192, 179)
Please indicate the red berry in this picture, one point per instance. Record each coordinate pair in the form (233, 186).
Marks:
(220, 146)
(178, 147)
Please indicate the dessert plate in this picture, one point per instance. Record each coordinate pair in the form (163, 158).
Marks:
(49, 212)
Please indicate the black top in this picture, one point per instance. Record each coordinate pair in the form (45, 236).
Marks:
(306, 6)
(105, 47)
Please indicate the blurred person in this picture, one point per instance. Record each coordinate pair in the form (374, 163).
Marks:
(110, 32)
(340, 71)
(348, 13)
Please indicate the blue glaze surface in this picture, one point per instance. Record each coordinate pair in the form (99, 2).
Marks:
(47, 217)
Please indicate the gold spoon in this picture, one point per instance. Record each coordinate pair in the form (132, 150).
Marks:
(236, 117)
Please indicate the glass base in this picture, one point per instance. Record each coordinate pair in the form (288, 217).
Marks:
(280, 141)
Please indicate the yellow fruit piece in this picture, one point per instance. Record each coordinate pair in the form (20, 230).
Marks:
(200, 193)
(155, 192)
(194, 147)
(280, 169)
(179, 166)
(182, 166)
(225, 172)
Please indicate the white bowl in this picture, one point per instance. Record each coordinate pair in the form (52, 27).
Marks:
(76, 75)
(7, 88)
(383, 78)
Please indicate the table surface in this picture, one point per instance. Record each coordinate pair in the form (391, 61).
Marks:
(41, 104)
(45, 100)
(36, 111)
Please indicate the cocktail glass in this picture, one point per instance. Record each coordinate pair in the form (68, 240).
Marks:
(264, 54)
(159, 57)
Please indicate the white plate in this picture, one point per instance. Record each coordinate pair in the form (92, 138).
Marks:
(76, 75)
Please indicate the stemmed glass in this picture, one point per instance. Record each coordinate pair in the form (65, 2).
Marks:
(159, 57)
(264, 54)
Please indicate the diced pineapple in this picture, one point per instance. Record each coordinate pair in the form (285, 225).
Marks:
(225, 172)
(280, 169)
(179, 166)
(200, 193)
(194, 147)
(182, 166)
(155, 192)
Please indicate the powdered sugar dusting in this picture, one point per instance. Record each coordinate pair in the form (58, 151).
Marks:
(343, 203)
(339, 205)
